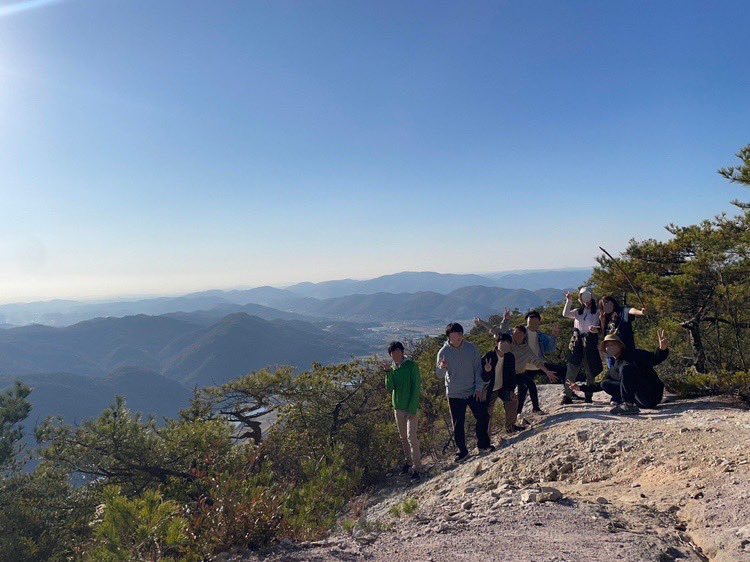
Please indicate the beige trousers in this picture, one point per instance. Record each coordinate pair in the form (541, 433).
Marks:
(407, 429)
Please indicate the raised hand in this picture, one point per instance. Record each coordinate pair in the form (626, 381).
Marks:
(663, 343)
(488, 365)
(507, 314)
(568, 296)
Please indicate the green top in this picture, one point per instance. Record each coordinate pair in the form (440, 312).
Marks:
(405, 383)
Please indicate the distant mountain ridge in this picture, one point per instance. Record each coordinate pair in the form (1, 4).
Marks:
(404, 282)
(279, 302)
(462, 303)
(154, 360)
(231, 347)
(76, 398)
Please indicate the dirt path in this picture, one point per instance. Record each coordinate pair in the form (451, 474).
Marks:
(670, 484)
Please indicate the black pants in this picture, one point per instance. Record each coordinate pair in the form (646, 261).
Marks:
(634, 389)
(458, 415)
(526, 385)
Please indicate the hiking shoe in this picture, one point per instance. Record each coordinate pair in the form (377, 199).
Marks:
(415, 476)
(566, 400)
(488, 450)
(405, 469)
(589, 399)
(461, 457)
(516, 428)
(625, 409)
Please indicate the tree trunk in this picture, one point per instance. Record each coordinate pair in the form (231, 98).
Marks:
(699, 353)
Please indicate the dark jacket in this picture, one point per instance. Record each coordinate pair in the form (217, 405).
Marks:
(620, 323)
(644, 360)
(647, 386)
(509, 371)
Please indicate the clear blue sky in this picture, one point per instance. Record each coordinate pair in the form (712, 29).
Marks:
(167, 146)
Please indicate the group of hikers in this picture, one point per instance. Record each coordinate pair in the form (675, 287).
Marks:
(507, 372)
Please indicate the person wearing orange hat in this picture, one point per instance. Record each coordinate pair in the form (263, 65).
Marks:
(632, 382)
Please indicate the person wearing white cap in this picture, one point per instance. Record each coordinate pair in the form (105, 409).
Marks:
(584, 348)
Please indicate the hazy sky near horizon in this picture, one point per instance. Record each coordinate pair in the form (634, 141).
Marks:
(162, 147)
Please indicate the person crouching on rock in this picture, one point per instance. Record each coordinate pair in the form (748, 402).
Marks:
(632, 382)
(405, 385)
(459, 363)
(499, 370)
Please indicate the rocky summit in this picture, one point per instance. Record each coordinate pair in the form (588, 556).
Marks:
(579, 484)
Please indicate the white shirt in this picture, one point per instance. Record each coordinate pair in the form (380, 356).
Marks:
(581, 322)
(499, 374)
(532, 338)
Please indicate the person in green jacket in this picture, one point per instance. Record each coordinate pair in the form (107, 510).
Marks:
(405, 385)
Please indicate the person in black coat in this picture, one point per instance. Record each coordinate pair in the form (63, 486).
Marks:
(499, 372)
(632, 381)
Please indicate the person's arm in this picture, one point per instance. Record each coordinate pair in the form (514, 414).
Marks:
(505, 324)
(487, 367)
(479, 384)
(528, 356)
(509, 371)
(663, 351)
(441, 367)
(659, 356)
(637, 311)
(487, 326)
(389, 381)
(416, 389)
(568, 311)
(578, 387)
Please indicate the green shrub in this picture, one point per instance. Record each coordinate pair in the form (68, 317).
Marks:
(691, 383)
(410, 506)
(146, 528)
(317, 499)
(242, 507)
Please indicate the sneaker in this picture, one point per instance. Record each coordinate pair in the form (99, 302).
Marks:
(589, 399)
(405, 469)
(516, 428)
(461, 457)
(566, 400)
(539, 412)
(488, 450)
(520, 420)
(578, 397)
(625, 409)
(415, 476)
